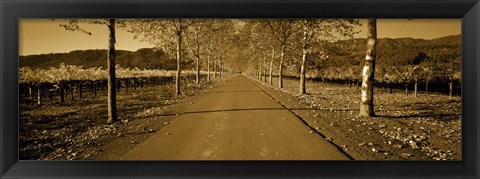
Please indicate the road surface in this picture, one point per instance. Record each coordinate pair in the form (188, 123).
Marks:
(236, 120)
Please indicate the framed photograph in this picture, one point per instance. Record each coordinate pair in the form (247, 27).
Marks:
(239, 89)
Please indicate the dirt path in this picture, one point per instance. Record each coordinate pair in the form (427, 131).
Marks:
(236, 121)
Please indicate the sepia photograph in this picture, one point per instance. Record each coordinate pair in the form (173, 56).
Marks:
(240, 89)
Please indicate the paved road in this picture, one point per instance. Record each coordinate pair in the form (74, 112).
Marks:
(235, 121)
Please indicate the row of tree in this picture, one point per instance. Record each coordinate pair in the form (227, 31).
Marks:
(309, 43)
(255, 46)
(179, 38)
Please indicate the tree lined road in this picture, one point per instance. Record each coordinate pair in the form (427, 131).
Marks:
(235, 121)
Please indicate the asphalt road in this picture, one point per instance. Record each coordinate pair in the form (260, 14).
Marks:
(235, 120)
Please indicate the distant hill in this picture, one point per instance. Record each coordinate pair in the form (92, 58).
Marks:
(147, 58)
(399, 52)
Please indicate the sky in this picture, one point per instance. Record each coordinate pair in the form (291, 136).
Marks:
(40, 36)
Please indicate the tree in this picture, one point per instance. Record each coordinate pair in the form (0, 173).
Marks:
(73, 25)
(320, 31)
(417, 74)
(258, 37)
(282, 30)
(366, 104)
(222, 43)
(111, 84)
(453, 75)
(195, 46)
(167, 34)
(201, 33)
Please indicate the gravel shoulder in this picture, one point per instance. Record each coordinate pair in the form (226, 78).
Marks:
(406, 128)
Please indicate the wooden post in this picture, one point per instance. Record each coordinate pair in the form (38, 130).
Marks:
(426, 87)
(80, 89)
(451, 88)
(39, 95)
(416, 84)
(406, 88)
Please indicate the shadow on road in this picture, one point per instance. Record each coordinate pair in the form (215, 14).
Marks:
(245, 109)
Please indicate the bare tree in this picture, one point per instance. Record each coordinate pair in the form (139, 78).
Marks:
(282, 30)
(320, 31)
(74, 25)
(167, 34)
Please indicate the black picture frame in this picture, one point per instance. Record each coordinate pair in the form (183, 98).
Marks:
(11, 11)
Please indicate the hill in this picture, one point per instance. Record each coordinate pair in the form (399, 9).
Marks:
(146, 58)
(390, 52)
(396, 52)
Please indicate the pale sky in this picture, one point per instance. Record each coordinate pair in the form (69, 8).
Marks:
(415, 28)
(38, 36)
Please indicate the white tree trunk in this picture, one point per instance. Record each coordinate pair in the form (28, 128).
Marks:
(265, 69)
(177, 76)
(280, 71)
(197, 76)
(208, 61)
(260, 66)
(366, 104)
(215, 69)
(271, 66)
(221, 68)
(304, 58)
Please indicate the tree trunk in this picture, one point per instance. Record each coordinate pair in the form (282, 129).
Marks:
(111, 80)
(271, 66)
(177, 76)
(280, 71)
(304, 58)
(260, 66)
(208, 61)
(265, 70)
(197, 76)
(221, 68)
(215, 68)
(391, 88)
(302, 74)
(415, 89)
(366, 105)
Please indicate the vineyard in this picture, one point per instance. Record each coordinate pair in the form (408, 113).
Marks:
(70, 80)
(437, 79)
